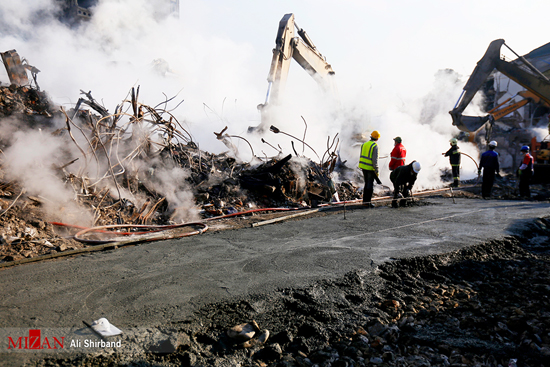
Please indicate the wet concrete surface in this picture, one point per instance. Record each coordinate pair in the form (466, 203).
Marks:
(160, 282)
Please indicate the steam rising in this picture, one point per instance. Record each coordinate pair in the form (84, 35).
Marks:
(29, 160)
(221, 81)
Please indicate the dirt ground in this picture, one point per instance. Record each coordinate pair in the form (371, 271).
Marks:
(485, 305)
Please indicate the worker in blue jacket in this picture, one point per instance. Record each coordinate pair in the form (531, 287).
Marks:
(490, 165)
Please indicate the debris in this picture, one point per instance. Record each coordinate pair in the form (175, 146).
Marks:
(242, 332)
(260, 340)
(123, 160)
(104, 328)
(248, 335)
(14, 67)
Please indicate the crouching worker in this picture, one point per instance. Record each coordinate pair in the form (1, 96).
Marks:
(403, 179)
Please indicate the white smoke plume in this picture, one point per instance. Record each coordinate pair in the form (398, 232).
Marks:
(215, 59)
(30, 159)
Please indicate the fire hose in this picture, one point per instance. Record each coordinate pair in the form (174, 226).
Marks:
(164, 232)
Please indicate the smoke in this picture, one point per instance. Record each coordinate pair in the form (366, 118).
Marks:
(171, 183)
(30, 159)
(218, 76)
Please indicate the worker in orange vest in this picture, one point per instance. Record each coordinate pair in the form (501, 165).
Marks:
(398, 154)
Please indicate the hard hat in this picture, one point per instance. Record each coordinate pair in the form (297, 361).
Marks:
(397, 139)
(524, 148)
(375, 135)
(453, 141)
(416, 167)
(492, 143)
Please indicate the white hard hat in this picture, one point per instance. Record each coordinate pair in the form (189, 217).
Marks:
(416, 167)
(492, 143)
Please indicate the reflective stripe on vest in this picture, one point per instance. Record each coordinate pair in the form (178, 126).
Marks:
(365, 161)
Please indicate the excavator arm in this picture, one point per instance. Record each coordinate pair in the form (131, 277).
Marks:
(300, 48)
(291, 43)
(527, 76)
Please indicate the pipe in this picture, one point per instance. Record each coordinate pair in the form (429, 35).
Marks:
(274, 220)
(158, 234)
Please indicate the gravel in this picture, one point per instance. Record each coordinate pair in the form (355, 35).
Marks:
(483, 305)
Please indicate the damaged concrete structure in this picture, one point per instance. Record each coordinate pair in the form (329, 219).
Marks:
(75, 11)
(517, 101)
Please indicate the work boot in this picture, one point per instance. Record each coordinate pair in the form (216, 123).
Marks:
(455, 183)
(367, 197)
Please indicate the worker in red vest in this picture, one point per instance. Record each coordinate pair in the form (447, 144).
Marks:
(525, 172)
(397, 154)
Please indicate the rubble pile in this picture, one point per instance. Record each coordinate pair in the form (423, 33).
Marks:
(484, 305)
(24, 102)
(123, 164)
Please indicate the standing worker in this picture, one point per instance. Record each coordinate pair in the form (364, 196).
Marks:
(368, 162)
(398, 154)
(490, 164)
(454, 158)
(525, 172)
(403, 179)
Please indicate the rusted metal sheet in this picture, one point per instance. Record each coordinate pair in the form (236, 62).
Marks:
(15, 68)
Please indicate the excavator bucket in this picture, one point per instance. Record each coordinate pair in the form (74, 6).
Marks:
(16, 71)
(469, 124)
(482, 70)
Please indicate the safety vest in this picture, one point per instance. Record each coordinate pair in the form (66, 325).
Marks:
(528, 161)
(397, 156)
(365, 161)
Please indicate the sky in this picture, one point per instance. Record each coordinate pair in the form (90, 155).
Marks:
(388, 57)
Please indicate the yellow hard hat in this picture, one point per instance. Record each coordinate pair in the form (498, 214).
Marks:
(375, 135)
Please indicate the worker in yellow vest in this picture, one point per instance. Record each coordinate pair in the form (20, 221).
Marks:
(368, 162)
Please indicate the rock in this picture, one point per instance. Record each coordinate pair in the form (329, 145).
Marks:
(271, 352)
(261, 339)
(242, 332)
(188, 359)
(376, 360)
(377, 329)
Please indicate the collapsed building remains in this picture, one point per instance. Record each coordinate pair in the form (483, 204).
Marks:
(140, 166)
(517, 100)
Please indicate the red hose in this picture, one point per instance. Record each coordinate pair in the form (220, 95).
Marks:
(155, 228)
(162, 228)
(143, 235)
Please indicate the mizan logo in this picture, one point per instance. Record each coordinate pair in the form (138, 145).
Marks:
(35, 341)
